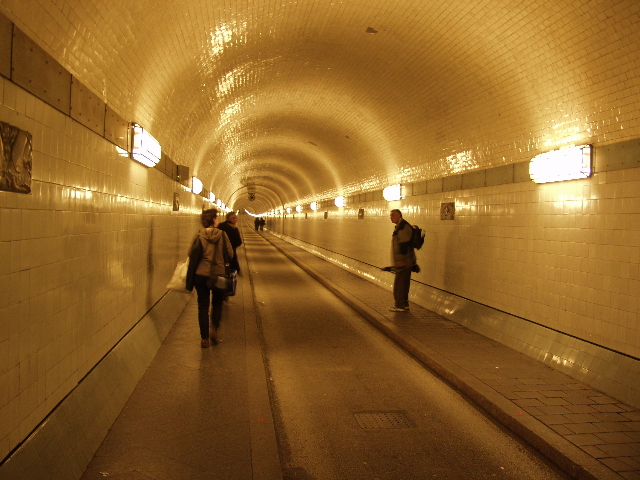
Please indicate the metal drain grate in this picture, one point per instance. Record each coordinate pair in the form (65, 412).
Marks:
(371, 420)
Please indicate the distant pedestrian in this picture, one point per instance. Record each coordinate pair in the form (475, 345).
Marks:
(403, 258)
(206, 262)
(256, 223)
(262, 222)
(230, 228)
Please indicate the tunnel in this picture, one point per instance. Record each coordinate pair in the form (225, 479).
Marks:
(122, 121)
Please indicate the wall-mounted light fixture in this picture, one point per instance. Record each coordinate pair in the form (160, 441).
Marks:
(314, 206)
(288, 209)
(564, 164)
(299, 208)
(144, 148)
(392, 193)
(212, 197)
(196, 185)
(340, 202)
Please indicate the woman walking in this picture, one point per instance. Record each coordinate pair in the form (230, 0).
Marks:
(206, 261)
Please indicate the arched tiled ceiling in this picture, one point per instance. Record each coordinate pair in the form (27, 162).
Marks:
(324, 97)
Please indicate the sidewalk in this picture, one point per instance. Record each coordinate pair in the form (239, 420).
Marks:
(587, 434)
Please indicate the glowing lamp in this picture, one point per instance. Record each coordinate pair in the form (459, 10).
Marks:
(299, 208)
(559, 165)
(393, 192)
(196, 185)
(339, 201)
(314, 206)
(145, 149)
(288, 210)
(212, 197)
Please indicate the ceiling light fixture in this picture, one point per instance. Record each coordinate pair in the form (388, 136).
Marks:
(392, 193)
(565, 164)
(144, 148)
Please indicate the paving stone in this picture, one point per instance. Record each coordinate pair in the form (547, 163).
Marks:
(581, 408)
(584, 439)
(630, 475)
(595, 451)
(609, 417)
(609, 408)
(581, 418)
(621, 449)
(553, 420)
(614, 426)
(583, 428)
(561, 430)
(554, 394)
(617, 465)
(603, 399)
(529, 402)
(532, 381)
(554, 409)
(615, 437)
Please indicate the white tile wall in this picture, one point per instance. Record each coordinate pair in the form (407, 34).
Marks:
(82, 258)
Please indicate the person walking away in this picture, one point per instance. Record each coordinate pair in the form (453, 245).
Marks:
(403, 258)
(262, 222)
(206, 261)
(256, 223)
(233, 232)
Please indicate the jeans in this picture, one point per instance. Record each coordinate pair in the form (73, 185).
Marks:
(206, 295)
(401, 284)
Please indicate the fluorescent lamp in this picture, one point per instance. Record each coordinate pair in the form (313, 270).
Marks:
(314, 206)
(564, 164)
(196, 185)
(212, 197)
(145, 149)
(339, 201)
(393, 192)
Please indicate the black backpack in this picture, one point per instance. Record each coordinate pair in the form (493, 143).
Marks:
(417, 238)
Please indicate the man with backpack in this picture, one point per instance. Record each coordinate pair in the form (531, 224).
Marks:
(403, 257)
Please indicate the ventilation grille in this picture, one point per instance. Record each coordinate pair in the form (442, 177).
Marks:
(376, 420)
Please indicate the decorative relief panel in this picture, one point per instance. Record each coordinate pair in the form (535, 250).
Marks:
(15, 164)
(448, 211)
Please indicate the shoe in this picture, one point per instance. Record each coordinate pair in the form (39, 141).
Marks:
(204, 343)
(213, 334)
(398, 309)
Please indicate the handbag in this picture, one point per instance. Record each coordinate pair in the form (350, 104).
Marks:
(178, 280)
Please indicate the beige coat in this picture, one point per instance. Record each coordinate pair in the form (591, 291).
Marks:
(214, 241)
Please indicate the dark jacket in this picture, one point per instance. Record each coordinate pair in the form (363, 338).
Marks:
(402, 245)
(206, 254)
(233, 233)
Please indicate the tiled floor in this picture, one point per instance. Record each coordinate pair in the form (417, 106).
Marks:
(590, 434)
